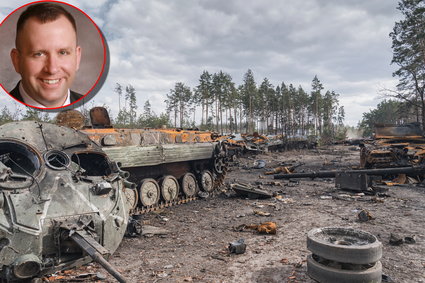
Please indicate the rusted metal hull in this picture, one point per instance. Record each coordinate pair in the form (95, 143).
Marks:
(192, 159)
(140, 156)
(394, 146)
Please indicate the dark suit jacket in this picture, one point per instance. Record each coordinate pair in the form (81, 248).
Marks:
(74, 96)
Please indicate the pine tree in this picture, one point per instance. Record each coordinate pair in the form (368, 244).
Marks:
(130, 96)
(203, 95)
(249, 92)
(408, 44)
(316, 98)
(178, 101)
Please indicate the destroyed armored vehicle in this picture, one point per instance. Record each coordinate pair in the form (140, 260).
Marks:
(169, 166)
(394, 146)
(62, 201)
(244, 143)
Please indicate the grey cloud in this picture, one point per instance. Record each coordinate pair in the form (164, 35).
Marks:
(155, 43)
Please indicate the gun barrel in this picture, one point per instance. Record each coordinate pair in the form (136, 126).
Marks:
(96, 255)
(331, 174)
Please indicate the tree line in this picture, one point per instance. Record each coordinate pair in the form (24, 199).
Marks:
(229, 108)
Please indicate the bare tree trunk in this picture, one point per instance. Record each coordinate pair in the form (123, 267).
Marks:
(236, 121)
(240, 119)
(206, 111)
(227, 122)
(216, 115)
(202, 115)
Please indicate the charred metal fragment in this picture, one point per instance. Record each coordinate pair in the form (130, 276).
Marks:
(249, 191)
(237, 247)
(352, 181)
(96, 252)
(414, 170)
(360, 179)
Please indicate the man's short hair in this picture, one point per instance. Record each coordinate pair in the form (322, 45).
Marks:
(44, 12)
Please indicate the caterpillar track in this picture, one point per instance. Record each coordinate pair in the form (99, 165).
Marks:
(168, 166)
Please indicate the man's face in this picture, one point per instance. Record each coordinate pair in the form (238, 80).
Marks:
(47, 57)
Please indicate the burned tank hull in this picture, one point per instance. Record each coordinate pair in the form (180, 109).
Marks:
(56, 184)
(394, 146)
(169, 166)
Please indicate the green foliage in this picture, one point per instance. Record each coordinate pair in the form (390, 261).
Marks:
(153, 121)
(35, 115)
(5, 116)
(130, 98)
(127, 115)
(386, 112)
(148, 119)
(408, 44)
(341, 133)
(179, 101)
(249, 94)
(203, 95)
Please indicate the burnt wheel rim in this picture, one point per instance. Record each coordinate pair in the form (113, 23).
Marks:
(189, 185)
(207, 181)
(149, 192)
(169, 188)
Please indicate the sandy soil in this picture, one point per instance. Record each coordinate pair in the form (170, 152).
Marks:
(194, 249)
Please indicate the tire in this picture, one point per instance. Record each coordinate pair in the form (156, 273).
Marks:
(326, 274)
(350, 245)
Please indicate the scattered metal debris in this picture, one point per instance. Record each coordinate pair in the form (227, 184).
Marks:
(396, 240)
(364, 216)
(285, 200)
(149, 231)
(263, 228)
(410, 240)
(247, 190)
(261, 213)
(259, 164)
(359, 179)
(237, 247)
(274, 184)
(386, 278)
(284, 168)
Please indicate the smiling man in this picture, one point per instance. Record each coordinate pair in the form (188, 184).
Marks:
(46, 56)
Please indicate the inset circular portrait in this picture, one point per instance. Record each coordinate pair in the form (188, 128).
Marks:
(53, 55)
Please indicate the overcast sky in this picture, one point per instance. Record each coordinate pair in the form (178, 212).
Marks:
(154, 44)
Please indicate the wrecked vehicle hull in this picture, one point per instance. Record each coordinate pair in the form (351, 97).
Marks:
(394, 146)
(168, 166)
(55, 184)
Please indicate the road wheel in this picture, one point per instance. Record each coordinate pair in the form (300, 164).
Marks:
(345, 245)
(169, 188)
(189, 185)
(206, 181)
(328, 274)
(219, 165)
(132, 197)
(149, 192)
